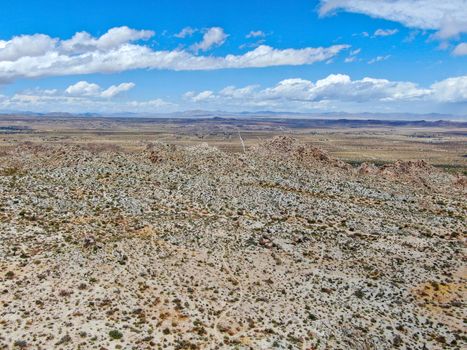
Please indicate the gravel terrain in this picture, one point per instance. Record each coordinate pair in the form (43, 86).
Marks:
(278, 247)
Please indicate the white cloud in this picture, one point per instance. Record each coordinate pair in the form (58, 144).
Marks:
(460, 50)
(82, 97)
(448, 18)
(232, 92)
(337, 87)
(151, 105)
(338, 92)
(412, 35)
(115, 52)
(295, 89)
(265, 56)
(214, 36)
(255, 34)
(341, 87)
(35, 103)
(385, 32)
(114, 90)
(451, 90)
(379, 59)
(115, 37)
(83, 88)
(185, 32)
(199, 97)
(352, 56)
(25, 46)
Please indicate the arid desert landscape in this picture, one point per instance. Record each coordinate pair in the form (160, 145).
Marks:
(231, 234)
(233, 175)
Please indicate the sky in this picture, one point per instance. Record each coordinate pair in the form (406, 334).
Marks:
(159, 56)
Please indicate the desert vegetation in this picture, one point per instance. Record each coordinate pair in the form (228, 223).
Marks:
(280, 246)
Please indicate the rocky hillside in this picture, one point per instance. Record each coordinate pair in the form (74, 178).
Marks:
(280, 247)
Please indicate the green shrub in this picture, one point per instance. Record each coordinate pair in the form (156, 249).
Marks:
(115, 334)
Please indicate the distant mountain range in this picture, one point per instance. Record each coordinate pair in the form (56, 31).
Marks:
(254, 115)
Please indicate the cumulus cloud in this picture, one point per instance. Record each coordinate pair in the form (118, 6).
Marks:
(337, 90)
(448, 18)
(42, 103)
(214, 36)
(199, 97)
(117, 51)
(451, 90)
(385, 32)
(82, 97)
(25, 45)
(460, 50)
(341, 87)
(114, 90)
(334, 87)
(115, 37)
(83, 88)
(238, 93)
(255, 34)
(264, 56)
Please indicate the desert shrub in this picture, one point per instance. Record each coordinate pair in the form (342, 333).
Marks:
(115, 334)
(11, 171)
(20, 344)
(359, 294)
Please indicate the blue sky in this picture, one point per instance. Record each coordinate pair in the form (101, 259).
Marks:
(300, 56)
